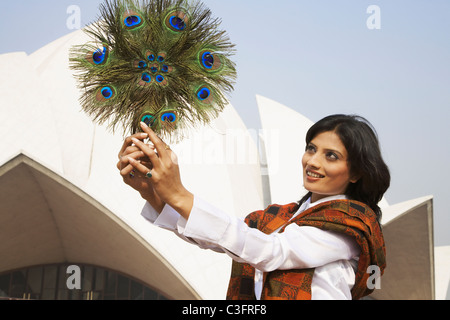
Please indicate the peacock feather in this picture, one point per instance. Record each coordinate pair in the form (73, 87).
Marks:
(163, 62)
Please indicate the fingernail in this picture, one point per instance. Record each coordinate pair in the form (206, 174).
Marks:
(143, 135)
(135, 140)
(144, 125)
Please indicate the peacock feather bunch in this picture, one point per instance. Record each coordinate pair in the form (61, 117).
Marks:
(162, 62)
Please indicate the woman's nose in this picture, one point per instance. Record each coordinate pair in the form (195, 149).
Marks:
(313, 161)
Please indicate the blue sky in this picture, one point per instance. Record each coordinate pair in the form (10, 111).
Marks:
(318, 57)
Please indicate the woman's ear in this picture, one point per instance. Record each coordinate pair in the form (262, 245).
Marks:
(355, 178)
(354, 181)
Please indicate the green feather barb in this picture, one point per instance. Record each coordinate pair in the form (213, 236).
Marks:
(164, 62)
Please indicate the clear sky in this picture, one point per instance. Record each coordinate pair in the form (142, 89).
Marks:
(319, 57)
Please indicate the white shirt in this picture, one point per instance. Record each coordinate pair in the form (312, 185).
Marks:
(333, 255)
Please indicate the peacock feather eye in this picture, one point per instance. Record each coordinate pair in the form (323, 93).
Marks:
(105, 93)
(154, 68)
(145, 79)
(207, 60)
(150, 56)
(140, 64)
(132, 20)
(161, 80)
(148, 119)
(166, 69)
(177, 21)
(99, 56)
(161, 57)
(170, 117)
(210, 61)
(204, 94)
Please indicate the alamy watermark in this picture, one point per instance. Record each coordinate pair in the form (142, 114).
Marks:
(74, 280)
(73, 21)
(374, 20)
(234, 147)
(374, 281)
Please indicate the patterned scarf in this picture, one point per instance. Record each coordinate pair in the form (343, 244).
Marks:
(345, 216)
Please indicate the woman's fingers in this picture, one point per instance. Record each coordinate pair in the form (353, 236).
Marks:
(128, 149)
(137, 155)
(161, 147)
(129, 142)
(128, 170)
(149, 152)
(125, 172)
(141, 168)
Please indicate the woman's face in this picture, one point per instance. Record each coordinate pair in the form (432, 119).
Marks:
(325, 168)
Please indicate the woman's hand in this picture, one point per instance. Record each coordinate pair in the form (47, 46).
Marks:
(164, 175)
(133, 178)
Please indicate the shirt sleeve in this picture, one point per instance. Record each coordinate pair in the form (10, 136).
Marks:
(167, 219)
(171, 220)
(295, 248)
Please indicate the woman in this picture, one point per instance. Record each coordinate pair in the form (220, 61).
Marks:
(319, 248)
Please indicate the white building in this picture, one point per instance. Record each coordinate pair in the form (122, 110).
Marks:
(63, 202)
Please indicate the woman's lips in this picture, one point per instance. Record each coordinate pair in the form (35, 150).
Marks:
(314, 175)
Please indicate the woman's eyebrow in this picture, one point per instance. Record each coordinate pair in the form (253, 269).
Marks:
(327, 149)
(335, 151)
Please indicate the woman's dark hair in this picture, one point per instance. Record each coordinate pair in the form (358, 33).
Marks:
(364, 157)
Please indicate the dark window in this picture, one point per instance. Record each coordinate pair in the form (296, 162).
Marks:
(50, 283)
(5, 280)
(123, 288)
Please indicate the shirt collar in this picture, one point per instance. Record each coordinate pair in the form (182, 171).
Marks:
(307, 204)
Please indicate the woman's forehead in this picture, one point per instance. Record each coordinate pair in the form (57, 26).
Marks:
(329, 140)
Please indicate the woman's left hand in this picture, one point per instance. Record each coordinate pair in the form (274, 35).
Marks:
(165, 175)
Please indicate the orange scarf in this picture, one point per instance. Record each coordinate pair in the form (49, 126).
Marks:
(345, 216)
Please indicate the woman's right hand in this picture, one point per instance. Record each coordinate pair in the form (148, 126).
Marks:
(135, 179)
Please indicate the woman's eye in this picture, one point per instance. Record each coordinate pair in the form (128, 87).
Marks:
(332, 156)
(310, 148)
